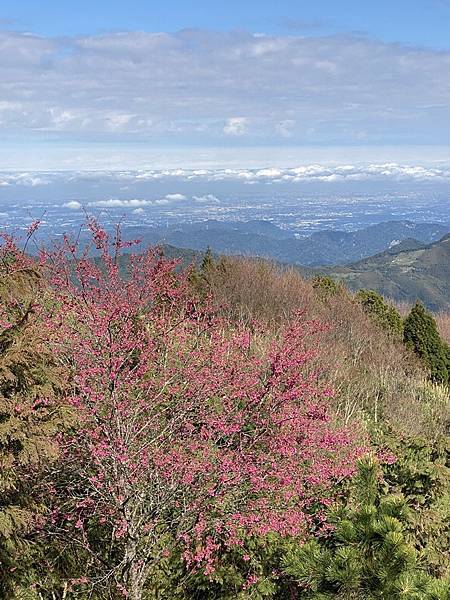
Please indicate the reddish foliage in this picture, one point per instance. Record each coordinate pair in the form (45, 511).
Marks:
(183, 428)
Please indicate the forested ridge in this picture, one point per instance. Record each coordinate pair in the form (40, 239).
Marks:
(229, 430)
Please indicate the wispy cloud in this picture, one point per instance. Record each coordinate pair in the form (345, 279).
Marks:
(176, 197)
(209, 87)
(206, 199)
(138, 203)
(236, 126)
(116, 203)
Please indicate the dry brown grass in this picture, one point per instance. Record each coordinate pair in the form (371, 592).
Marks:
(403, 307)
(443, 322)
(252, 288)
(372, 373)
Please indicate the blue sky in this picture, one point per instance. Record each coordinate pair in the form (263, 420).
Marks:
(423, 22)
(99, 82)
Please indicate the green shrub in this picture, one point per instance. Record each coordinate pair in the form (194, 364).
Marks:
(380, 311)
(326, 287)
(422, 336)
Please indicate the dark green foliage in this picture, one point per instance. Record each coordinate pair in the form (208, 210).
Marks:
(421, 474)
(326, 287)
(199, 275)
(422, 336)
(447, 356)
(380, 311)
(369, 554)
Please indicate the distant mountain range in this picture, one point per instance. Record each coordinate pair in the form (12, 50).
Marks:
(264, 239)
(414, 261)
(406, 271)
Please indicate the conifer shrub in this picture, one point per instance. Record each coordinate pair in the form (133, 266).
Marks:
(383, 313)
(207, 261)
(368, 554)
(326, 287)
(421, 336)
(421, 473)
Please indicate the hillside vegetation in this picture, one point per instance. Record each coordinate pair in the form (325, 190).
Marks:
(443, 321)
(229, 430)
(422, 273)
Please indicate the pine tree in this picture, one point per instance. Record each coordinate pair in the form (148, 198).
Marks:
(207, 261)
(199, 275)
(422, 336)
(368, 555)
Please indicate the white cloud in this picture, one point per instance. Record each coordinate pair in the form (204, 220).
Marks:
(25, 179)
(116, 203)
(236, 126)
(375, 172)
(73, 205)
(207, 199)
(138, 202)
(269, 173)
(176, 197)
(314, 172)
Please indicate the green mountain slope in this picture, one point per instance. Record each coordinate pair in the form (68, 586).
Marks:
(421, 272)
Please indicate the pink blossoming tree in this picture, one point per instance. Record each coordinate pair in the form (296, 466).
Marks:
(190, 431)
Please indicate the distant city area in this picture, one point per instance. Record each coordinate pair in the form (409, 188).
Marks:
(301, 200)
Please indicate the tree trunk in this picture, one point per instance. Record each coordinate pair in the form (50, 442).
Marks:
(135, 574)
(135, 584)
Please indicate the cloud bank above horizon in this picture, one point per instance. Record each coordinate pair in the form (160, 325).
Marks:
(222, 89)
(385, 173)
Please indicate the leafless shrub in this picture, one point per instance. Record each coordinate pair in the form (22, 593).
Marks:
(372, 373)
(443, 322)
